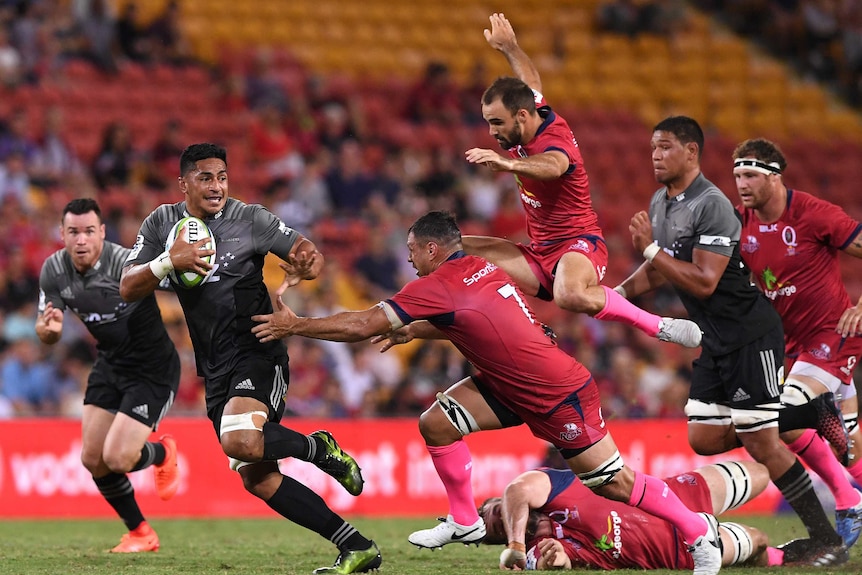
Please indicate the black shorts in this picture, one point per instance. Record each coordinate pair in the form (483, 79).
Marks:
(507, 417)
(747, 377)
(264, 378)
(144, 395)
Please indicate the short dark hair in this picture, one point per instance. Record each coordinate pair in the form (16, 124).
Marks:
(80, 206)
(437, 226)
(514, 93)
(761, 149)
(197, 152)
(685, 129)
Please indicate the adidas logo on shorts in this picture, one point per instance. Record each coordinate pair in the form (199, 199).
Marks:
(142, 410)
(740, 395)
(245, 384)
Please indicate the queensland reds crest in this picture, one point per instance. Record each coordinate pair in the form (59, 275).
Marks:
(788, 236)
(824, 352)
(750, 245)
(572, 431)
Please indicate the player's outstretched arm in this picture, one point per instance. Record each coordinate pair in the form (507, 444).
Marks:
(528, 491)
(501, 37)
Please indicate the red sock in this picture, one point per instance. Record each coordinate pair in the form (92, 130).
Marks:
(817, 454)
(454, 466)
(618, 308)
(655, 497)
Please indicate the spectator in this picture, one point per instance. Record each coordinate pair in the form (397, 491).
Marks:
(434, 98)
(350, 182)
(167, 41)
(29, 381)
(97, 34)
(273, 150)
(116, 161)
(54, 162)
(131, 37)
(11, 67)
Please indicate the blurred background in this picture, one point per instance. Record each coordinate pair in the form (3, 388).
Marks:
(350, 119)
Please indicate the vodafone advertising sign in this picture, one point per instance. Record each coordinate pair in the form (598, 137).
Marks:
(41, 475)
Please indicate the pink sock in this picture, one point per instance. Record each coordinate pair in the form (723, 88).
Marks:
(774, 557)
(817, 454)
(655, 497)
(454, 465)
(855, 471)
(618, 308)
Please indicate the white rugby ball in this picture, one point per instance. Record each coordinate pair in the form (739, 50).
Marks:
(190, 229)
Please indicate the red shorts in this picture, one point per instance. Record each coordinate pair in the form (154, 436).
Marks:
(830, 352)
(576, 423)
(543, 259)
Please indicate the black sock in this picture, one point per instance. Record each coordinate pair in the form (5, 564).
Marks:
(299, 504)
(119, 493)
(795, 485)
(803, 416)
(151, 454)
(280, 442)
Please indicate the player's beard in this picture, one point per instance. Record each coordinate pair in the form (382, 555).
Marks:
(512, 139)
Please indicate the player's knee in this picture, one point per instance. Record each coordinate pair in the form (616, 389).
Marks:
(446, 421)
(796, 392)
(710, 427)
(121, 461)
(574, 300)
(601, 479)
(241, 436)
(91, 461)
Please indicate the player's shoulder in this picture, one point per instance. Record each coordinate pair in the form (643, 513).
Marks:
(114, 258)
(167, 213)
(57, 263)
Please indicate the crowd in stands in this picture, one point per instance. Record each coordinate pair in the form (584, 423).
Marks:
(822, 39)
(350, 173)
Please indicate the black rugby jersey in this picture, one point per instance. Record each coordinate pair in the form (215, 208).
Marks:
(218, 311)
(129, 336)
(702, 217)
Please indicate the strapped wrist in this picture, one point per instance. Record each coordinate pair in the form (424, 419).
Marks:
(517, 546)
(651, 251)
(162, 265)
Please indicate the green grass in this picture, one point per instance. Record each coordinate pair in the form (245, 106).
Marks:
(276, 547)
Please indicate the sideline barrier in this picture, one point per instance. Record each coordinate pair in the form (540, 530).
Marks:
(41, 475)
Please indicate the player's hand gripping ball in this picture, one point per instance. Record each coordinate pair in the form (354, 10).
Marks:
(190, 229)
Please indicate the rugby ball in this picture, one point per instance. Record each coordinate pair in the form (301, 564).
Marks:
(190, 230)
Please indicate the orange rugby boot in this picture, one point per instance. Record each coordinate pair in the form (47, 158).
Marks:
(166, 474)
(142, 538)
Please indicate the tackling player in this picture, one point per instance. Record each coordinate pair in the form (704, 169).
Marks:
(568, 527)
(134, 378)
(523, 377)
(567, 256)
(790, 242)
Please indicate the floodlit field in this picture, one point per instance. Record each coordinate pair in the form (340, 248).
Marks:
(263, 547)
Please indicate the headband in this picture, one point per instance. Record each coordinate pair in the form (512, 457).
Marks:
(757, 166)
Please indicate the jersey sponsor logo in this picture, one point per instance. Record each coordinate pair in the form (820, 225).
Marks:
(766, 228)
(613, 539)
(772, 288)
(479, 274)
(750, 245)
(528, 197)
(285, 229)
(136, 249)
(571, 432)
(714, 241)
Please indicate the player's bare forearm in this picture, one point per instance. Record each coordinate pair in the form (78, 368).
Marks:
(424, 330)
(699, 277)
(137, 282)
(643, 280)
(546, 166)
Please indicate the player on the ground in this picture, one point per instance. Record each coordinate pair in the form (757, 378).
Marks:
(568, 527)
(790, 242)
(134, 378)
(567, 258)
(523, 377)
(691, 239)
(246, 382)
